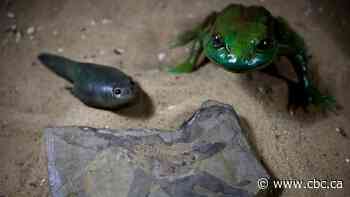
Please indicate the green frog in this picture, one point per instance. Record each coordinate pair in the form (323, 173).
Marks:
(248, 38)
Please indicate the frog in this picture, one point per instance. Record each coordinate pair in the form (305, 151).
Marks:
(243, 39)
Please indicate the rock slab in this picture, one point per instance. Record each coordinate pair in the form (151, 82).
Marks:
(208, 155)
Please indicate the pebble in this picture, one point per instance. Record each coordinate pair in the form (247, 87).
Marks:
(161, 56)
(171, 107)
(13, 28)
(11, 15)
(347, 160)
(60, 50)
(261, 90)
(341, 132)
(291, 113)
(101, 52)
(118, 51)
(106, 21)
(30, 30)
(277, 136)
(42, 182)
(55, 32)
(18, 37)
(264, 90)
(93, 23)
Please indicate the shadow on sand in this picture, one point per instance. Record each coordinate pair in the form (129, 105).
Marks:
(141, 108)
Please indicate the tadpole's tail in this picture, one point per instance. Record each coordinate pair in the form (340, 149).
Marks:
(62, 66)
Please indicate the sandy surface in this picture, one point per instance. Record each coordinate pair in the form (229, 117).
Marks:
(303, 146)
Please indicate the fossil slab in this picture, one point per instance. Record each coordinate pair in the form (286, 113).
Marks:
(208, 155)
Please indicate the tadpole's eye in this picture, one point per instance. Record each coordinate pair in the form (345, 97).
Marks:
(117, 91)
(265, 44)
(217, 41)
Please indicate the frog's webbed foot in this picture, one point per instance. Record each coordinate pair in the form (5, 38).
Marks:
(299, 96)
(325, 102)
(196, 55)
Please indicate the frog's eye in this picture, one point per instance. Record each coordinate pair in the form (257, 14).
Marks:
(265, 44)
(217, 41)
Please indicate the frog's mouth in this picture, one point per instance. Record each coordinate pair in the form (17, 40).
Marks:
(243, 64)
(238, 65)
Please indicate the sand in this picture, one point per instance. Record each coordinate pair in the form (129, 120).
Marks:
(299, 146)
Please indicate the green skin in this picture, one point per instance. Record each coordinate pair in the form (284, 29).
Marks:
(95, 85)
(244, 39)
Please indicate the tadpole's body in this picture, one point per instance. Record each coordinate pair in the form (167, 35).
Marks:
(95, 85)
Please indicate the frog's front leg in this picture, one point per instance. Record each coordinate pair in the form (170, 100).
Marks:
(304, 93)
(301, 93)
(196, 54)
